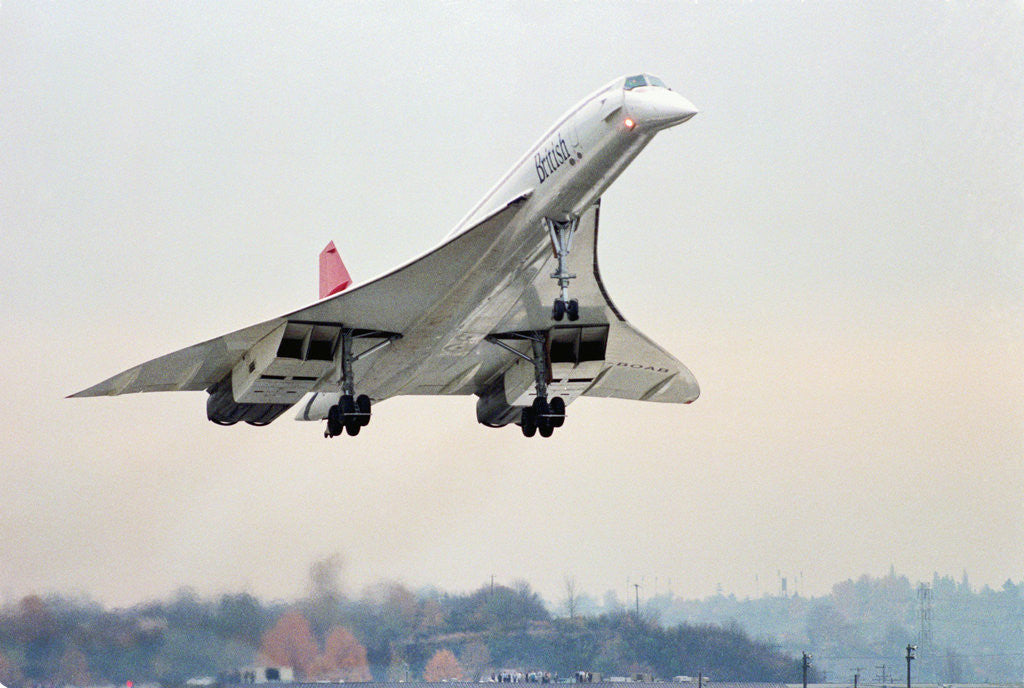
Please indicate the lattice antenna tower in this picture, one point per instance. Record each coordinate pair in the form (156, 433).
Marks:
(924, 634)
(924, 604)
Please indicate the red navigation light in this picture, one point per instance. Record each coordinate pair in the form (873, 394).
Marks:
(629, 123)
(129, 684)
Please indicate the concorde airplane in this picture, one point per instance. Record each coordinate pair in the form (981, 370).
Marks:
(509, 306)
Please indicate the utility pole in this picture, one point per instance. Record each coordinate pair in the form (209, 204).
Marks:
(636, 587)
(883, 678)
(856, 675)
(807, 664)
(910, 658)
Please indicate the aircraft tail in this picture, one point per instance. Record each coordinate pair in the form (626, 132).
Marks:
(334, 275)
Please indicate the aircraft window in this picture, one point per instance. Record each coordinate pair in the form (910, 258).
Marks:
(655, 81)
(634, 82)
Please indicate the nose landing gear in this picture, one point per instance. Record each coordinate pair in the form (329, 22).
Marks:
(561, 232)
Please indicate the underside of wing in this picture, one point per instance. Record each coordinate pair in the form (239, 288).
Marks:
(637, 368)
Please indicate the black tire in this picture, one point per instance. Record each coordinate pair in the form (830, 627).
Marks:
(545, 429)
(558, 310)
(557, 412)
(353, 426)
(347, 406)
(363, 407)
(572, 310)
(528, 421)
(334, 425)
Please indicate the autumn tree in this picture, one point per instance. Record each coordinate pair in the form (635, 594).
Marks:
(290, 643)
(9, 674)
(344, 658)
(442, 667)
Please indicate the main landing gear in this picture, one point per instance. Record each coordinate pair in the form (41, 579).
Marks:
(561, 232)
(541, 416)
(352, 413)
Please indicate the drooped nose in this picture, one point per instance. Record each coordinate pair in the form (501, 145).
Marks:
(658, 108)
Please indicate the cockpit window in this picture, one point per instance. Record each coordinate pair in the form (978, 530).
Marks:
(634, 82)
(642, 80)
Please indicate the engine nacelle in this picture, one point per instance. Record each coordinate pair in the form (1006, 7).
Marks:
(492, 408)
(222, 409)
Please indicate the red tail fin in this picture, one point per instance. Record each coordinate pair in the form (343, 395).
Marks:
(334, 276)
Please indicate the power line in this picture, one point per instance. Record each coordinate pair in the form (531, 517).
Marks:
(963, 655)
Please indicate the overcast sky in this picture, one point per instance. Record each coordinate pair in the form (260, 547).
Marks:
(834, 246)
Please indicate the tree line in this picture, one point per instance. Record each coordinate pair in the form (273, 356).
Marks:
(388, 633)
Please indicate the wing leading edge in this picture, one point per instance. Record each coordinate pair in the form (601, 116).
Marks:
(389, 303)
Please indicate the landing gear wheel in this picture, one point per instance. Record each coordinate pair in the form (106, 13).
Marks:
(558, 310)
(334, 423)
(572, 309)
(542, 412)
(363, 407)
(347, 415)
(557, 412)
(529, 422)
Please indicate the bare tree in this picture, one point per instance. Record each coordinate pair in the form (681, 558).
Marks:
(476, 661)
(571, 595)
(325, 578)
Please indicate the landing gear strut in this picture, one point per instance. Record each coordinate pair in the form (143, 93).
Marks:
(352, 413)
(561, 232)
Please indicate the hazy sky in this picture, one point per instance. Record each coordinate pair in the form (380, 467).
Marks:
(834, 246)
